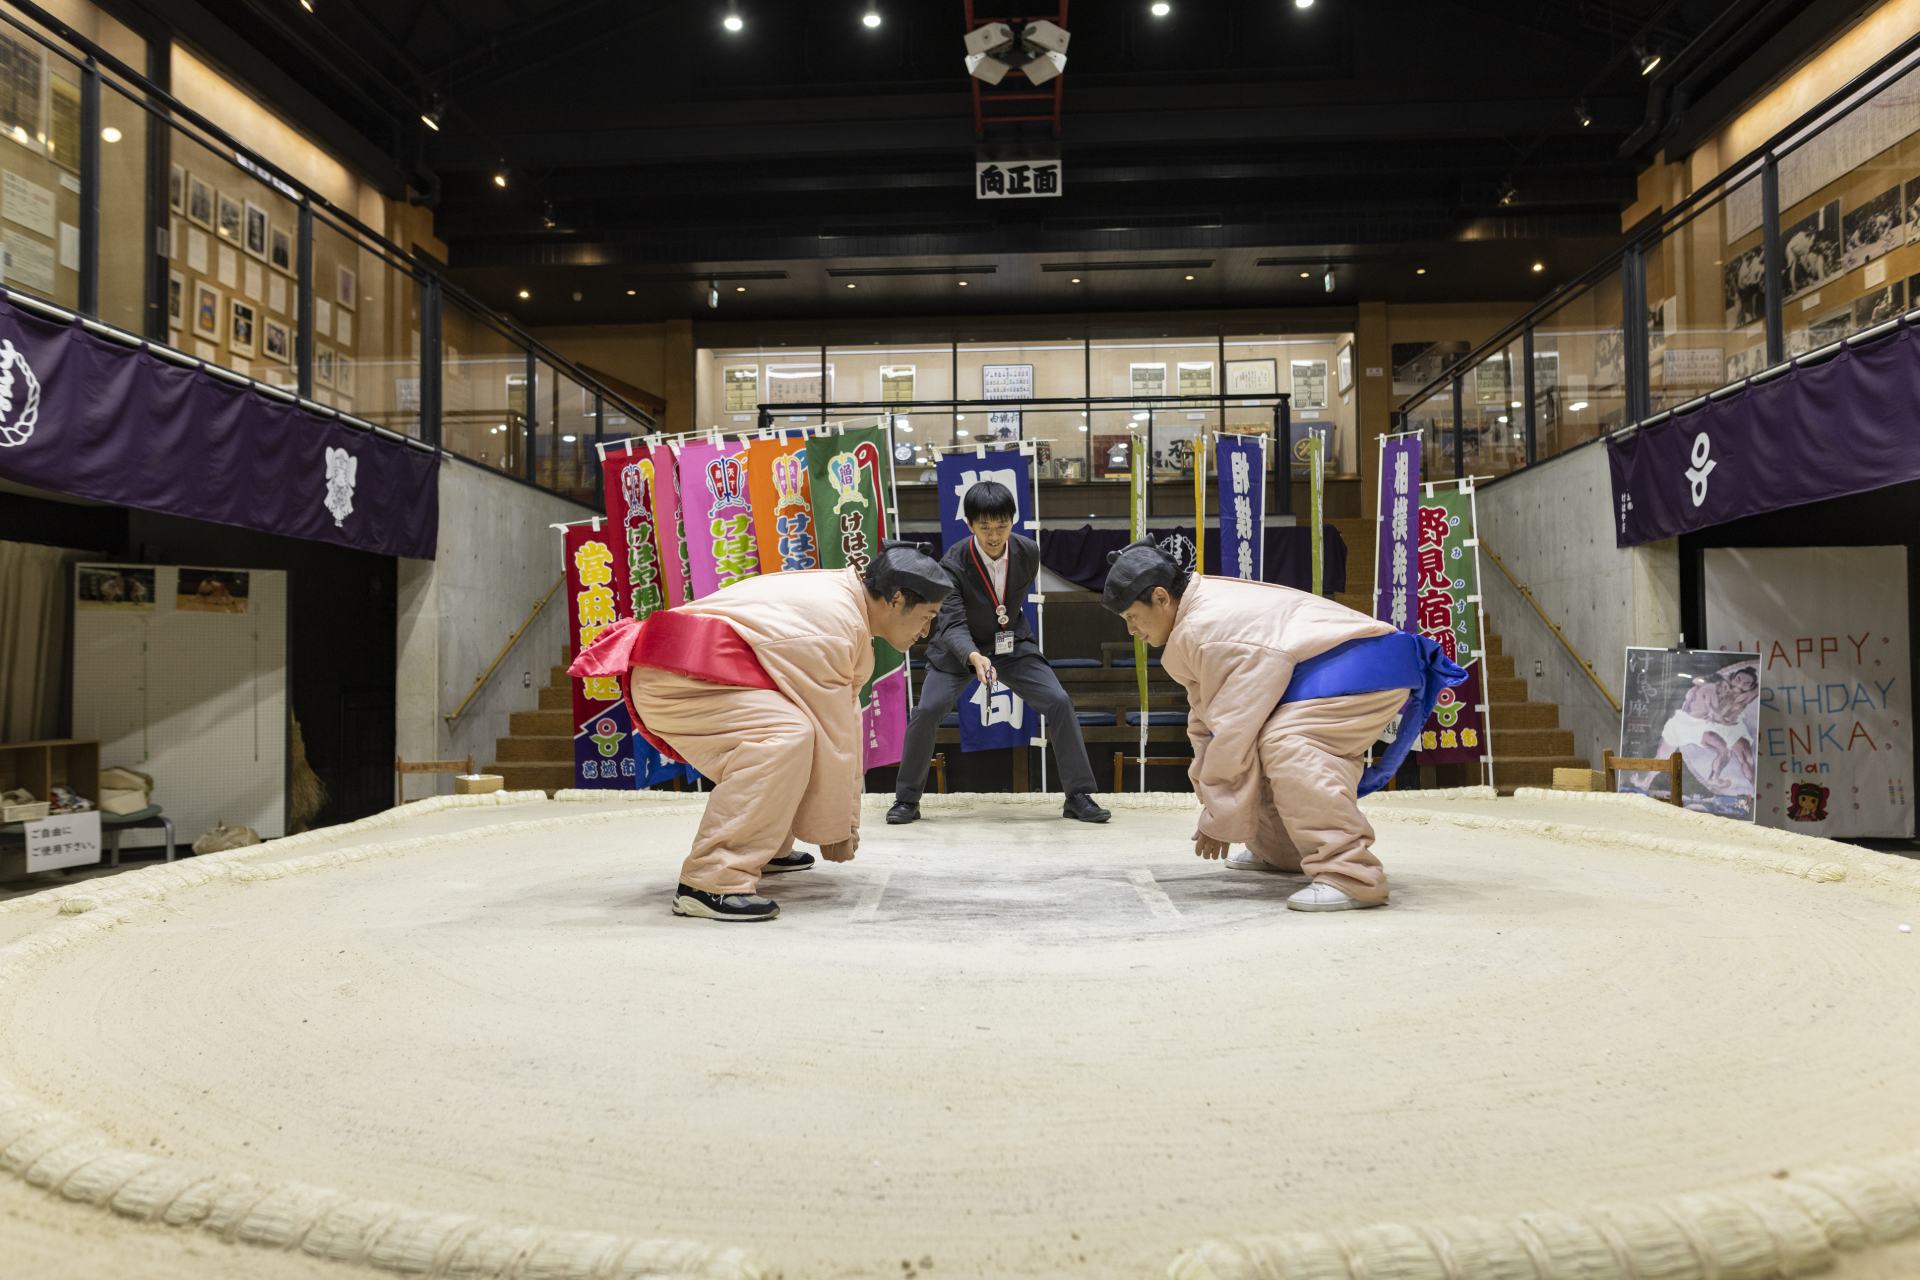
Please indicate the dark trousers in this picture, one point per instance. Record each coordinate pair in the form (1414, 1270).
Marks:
(1027, 675)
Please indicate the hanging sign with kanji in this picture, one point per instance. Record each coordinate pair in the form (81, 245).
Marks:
(1447, 611)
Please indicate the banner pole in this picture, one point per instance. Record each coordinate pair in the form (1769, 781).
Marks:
(1199, 510)
(1480, 591)
(1379, 519)
(893, 483)
(1138, 519)
(1040, 603)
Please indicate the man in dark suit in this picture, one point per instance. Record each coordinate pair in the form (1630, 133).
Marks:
(982, 633)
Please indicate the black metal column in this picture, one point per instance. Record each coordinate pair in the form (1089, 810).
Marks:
(1633, 333)
(1774, 261)
(531, 427)
(89, 300)
(1532, 418)
(1282, 457)
(1459, 436)
(432, 404)
(303, 302)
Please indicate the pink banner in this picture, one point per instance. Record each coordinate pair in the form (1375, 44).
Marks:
(669, 528)
(884, 720)
(719, 519)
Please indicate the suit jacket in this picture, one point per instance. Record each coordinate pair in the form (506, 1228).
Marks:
(966, 623)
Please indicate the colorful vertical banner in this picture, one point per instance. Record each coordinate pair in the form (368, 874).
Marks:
(718, 516)
(670, 527)
(777, 491)
(1316, 511)
(630, 478)
(1447, 611)
(1396, 528)
(603, 734)
(1242, 468)
(989, 719)
(848, 479)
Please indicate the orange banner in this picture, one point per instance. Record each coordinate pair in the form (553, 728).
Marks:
(777, 490)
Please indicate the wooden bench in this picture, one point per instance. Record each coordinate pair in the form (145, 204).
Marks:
(1671, 766)
(401, 768)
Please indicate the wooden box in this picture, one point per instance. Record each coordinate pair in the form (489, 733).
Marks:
(39, 767)
(1579, 780)
(476, 784)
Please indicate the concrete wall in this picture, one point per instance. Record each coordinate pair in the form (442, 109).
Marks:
(497, 559)
(1552, 525)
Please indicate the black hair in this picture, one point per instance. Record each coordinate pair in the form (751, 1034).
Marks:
(989, 500)
(1176, 588)
(915, 576)
(909, 598)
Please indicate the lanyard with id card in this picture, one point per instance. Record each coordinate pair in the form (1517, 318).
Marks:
(1003, 638)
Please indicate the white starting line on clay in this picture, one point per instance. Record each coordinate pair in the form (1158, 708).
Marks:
(870, 893)
(1152, 895)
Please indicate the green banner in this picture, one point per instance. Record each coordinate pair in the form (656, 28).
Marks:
(1316, 486)
(849, 475)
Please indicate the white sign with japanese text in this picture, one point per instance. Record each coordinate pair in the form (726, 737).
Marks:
(65, 840)
(1016, 179)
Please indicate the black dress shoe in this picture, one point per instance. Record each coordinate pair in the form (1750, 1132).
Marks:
(1080, 806)
(903, 813)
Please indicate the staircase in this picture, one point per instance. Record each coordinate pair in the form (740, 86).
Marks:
(1528, 742)
(537, 753)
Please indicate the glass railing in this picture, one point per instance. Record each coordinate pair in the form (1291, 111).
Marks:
(1810, 241)
(126, 206)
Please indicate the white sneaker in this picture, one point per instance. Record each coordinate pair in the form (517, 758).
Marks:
(1320, 896)
(1243, 860)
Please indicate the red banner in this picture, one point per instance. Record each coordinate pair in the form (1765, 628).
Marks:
(629, 479)
(670, 529)
(779, 493)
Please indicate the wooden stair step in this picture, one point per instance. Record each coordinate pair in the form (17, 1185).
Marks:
(542, 723)
(1517, 741)
(1531, 771)
(558, 675)
(1498, 667)
(552, 699)
(1523, 715)
(534, 749)
(522, 776)
(1505, 689)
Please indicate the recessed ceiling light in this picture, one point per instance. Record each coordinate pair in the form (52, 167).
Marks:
(110, 134)
(1539, 267)
(852, 285)
(1161, 9)
(500, 179)
(739, 288)
(1303, 4)
(1576, 406)
(632, 292)
(1306, 275)
(962, 432)
(733, 23)
(307, 5)
(1076, 280)
(1419, 271)
(959, 417)
(1189, 277)
(571, 439)
(962, 283)
(871, 20)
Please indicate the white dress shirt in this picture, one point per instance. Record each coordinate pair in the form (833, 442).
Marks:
(997, 571)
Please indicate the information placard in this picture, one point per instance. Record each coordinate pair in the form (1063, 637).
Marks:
(64, 840)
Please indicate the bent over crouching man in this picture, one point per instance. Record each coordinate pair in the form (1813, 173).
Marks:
(758, 687)
(1286, 691)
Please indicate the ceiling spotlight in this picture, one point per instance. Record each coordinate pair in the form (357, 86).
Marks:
(307, 5)
(713, 296)
(1538, 267)
(739, 288)
(500, 179)
(1581, 114)
(1328, 280)
(1303, 4)
(1419, 271)
(961, 283)
(1189, 277)
(110, 134)
(852, 285)
(1576, 406)
(1038, 51)
(568, 439)
(1076, 280)
(1649, 59)
(524, 295)
(871, 20)
(547, 219)
(732, 21)
(1306, 275)
(1160, 9)
(431, 116)
(1508, 193)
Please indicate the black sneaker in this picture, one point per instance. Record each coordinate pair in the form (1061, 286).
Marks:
(903, 813)
(792, 860)
(1080, 806)
(689, 901)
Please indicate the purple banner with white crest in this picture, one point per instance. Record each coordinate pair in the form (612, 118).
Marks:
(90, 417)
(1845, 425)
(1397, 532)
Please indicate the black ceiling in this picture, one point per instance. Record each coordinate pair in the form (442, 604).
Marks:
(1371, 136)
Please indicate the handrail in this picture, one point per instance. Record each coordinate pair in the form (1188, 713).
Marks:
(505, 649)
(1743, 169)
(1552, 626)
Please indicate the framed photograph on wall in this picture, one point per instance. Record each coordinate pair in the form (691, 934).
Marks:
(257, 228)
(208, 316)
(176, 299)
(240, 335)
(23, 78)
(1258, 377)
(1147, 378)
(1309, 379)
(1343, 369)
(742, 386)
(276, 341)
(199, 202)
(343, 373)
(1006, 382)
(896, 383)
(232, 219)
(280, 249)
(346, 288)
(323, 365)
(177, 189)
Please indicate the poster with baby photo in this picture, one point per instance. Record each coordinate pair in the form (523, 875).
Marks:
(1705, 705)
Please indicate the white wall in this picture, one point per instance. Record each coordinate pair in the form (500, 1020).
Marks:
(497, 558)
(1553, 526)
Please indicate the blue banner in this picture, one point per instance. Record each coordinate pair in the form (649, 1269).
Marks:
(1243, 506)
(1000, 718)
